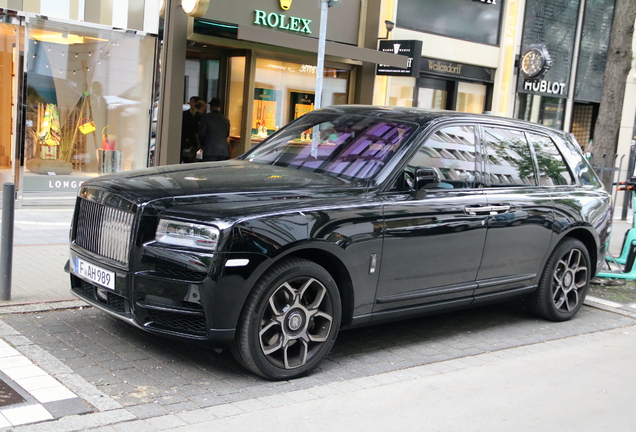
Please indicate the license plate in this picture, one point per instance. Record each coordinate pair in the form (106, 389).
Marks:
(93, 273)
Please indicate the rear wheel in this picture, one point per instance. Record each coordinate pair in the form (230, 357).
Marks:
(290, 320)
(564, 283)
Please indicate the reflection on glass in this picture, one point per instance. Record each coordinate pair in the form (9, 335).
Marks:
(346, 146)
(511, 162)
(451, 152)
(552, 168)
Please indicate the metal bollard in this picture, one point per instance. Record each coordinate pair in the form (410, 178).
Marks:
(6, 245)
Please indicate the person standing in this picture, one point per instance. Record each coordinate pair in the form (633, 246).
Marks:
(189, 124)
(214, 131)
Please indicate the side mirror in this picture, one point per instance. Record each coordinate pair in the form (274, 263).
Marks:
(425, 178)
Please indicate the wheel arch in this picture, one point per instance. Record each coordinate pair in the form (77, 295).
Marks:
(338, 271)
(588, 239)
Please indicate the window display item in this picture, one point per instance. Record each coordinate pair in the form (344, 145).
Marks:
(108, 141)
(50, 135)
(86, 126)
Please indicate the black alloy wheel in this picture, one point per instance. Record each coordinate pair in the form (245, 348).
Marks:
(564, 283)
(290, 320)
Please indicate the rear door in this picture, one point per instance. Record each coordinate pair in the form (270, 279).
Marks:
(520, 223)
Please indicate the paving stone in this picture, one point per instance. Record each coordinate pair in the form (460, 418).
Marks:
(190, 390)
(166, 422)
(134, 426)
(147, 410)
(251, 405)
(226, 410)
(181, 407)
(195, 416)
(207, 400)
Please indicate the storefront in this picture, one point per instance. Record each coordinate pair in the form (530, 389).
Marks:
(261, 60)
(75, 102)
(448, 82)
(562, 61)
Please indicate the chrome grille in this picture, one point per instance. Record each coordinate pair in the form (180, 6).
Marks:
(104, 230)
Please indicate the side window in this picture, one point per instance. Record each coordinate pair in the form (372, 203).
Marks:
(450, 153)
(509, 158)
(553, 170)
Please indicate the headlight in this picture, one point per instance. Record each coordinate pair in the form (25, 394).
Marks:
(187, 234)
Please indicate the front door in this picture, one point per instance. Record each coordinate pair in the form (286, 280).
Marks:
(433, 245)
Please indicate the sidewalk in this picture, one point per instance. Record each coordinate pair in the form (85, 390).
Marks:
(39, 254)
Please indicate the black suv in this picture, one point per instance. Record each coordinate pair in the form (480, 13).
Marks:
(347, 216)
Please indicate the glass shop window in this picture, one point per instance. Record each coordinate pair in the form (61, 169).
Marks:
(88, 104)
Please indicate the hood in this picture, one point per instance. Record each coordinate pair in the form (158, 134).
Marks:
(239, 179)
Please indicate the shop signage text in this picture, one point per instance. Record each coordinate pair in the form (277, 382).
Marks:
(281, 21)
(52, 183)
(544, 86)
(409, 48)
(449, 68)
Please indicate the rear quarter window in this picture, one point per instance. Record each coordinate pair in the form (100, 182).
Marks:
(582, 169)
(553, 169)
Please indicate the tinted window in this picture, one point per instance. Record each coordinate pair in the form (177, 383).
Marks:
(347, 146)
(553, 170)
(573, 154)
(509, 158)
(451, 153)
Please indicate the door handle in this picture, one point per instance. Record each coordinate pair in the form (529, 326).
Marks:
(498, 209)
(473, 211)
(491, 210)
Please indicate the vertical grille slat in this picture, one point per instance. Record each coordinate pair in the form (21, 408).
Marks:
(104, 230)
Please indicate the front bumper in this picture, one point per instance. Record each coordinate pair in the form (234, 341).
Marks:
(177, 304)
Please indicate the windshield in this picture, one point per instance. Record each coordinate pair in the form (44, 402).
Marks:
(343, 145)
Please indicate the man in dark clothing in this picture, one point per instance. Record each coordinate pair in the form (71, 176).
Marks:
(214, 130)
(189, 125)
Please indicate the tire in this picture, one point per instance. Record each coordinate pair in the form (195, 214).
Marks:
(289, 322)
(564, 283)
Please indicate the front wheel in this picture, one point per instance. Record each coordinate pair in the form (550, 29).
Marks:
(564, 283)
(289, 322)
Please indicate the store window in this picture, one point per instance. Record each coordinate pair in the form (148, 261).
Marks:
(284, 91)
(433, 93)
(88, 103)
(471, 98)
(401, 91)
(548, 111)
(235, 95)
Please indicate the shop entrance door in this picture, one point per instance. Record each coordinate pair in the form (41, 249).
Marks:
(201, 77)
